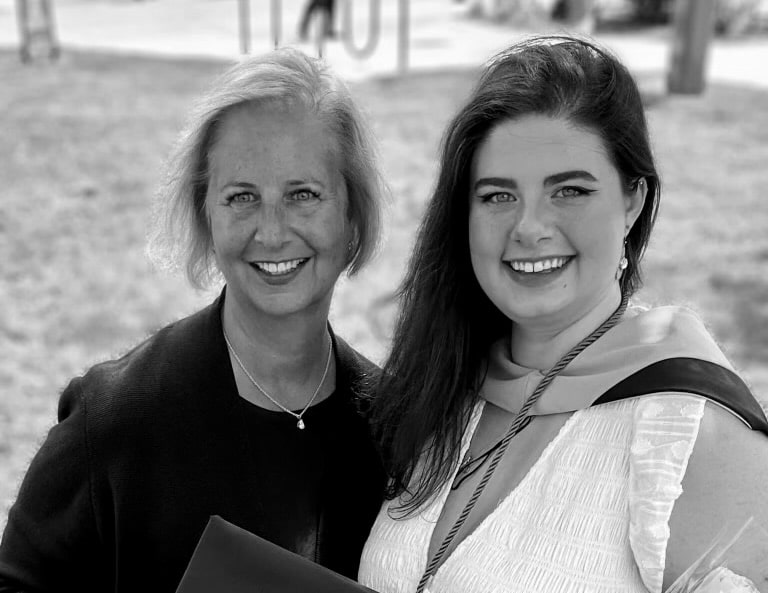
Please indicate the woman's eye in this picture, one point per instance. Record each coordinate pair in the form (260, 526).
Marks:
(498, 197)
(242, 198)
(304, 195)
(572, 192)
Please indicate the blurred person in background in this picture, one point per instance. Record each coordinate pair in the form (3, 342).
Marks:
(326, 10)
(251, 409)
(542, 432)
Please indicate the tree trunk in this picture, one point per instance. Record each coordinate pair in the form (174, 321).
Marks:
(694, 24)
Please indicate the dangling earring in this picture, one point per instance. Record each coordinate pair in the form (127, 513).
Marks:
(623, 262)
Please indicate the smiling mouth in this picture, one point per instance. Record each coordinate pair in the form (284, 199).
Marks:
(280, 268)
(541, 266)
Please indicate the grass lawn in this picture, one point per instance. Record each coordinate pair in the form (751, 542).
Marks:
(82, 145)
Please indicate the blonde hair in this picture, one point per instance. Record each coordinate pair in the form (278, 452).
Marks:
(181, 236)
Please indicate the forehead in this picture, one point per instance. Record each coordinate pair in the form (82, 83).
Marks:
(273, 139)
(540, 144)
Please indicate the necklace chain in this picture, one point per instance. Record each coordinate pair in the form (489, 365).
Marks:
(300, 424)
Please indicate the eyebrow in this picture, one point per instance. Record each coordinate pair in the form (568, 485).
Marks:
(295, 182)
(238, 185)
(253, 187)
(550, 180)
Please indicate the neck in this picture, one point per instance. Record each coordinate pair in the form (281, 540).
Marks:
(290, 349)
(541, 346)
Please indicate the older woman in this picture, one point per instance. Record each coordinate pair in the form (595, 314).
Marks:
(251, 408)
(540, 429)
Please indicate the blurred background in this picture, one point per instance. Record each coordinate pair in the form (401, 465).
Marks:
(94, 92)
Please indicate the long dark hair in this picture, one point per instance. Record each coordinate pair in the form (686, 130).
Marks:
(446, 323)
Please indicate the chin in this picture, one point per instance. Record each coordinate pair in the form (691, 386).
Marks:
(538, 312)
(287, 304)
(280, 307)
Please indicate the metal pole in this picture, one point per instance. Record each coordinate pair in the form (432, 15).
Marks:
(374, 29)
(403, 35)
(244, 18)
(22, 15)
(54, 51)
(320, 40)
(276, 22)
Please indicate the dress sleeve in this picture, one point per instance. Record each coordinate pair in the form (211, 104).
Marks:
(51, 540)
(666, 427)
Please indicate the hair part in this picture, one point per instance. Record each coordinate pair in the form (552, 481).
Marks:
(446, 322)
(181, 237)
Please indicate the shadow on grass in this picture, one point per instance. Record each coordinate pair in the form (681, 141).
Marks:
(104, 57)
(648, 27)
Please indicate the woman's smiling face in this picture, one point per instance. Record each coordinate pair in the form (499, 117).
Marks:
(277, 206)
(548, 217)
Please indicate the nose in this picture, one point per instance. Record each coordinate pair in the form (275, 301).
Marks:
(532, 225)
(271, 226)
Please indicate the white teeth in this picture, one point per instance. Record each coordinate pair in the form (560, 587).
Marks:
(279, 268)
(543, 265)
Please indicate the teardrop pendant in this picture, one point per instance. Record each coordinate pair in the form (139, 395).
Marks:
(300, 424)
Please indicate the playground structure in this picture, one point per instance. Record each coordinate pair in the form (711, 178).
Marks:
(351, 44)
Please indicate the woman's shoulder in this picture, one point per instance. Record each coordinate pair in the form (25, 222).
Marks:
(695, 466)
(355, 370)
(671, 331)
(728, 453)
(725, 483)
(179, 356)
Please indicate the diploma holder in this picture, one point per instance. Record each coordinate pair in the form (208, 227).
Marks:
(229, 559)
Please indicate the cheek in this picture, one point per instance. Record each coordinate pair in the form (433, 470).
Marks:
(476, 247)
(487, 237)
(598, 243)
(474, 230)
(215, 225)
(329, 234)
(228, 233)
(486, 247)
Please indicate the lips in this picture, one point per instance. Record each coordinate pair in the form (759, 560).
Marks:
(279, 268)
(544, 265)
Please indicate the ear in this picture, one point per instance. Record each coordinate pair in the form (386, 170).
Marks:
(634, 200)
(352, 243)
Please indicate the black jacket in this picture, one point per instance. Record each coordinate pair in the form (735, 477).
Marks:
(148, 446)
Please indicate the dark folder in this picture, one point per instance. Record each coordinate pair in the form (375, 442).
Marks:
(229, 559)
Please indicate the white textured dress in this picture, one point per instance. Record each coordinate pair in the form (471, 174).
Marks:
(592, 514)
